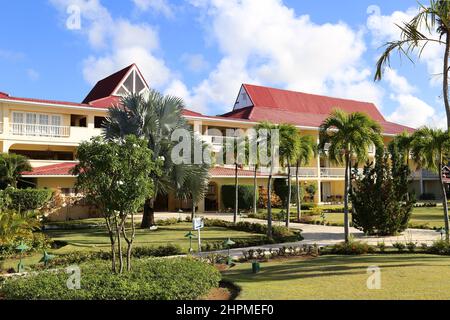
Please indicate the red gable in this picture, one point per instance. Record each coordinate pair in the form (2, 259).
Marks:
(105, 87)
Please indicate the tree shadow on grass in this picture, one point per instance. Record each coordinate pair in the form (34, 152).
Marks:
(321, 268)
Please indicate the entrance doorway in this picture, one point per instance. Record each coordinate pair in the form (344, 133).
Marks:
(211, 198)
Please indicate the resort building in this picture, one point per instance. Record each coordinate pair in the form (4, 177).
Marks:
(48, 133)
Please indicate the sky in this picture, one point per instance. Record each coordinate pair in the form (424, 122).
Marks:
(203, 50)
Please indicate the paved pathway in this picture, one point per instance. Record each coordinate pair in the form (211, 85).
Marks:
(322, 235)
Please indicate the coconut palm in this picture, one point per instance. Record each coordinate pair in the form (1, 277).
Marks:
(289, 145)
(11, 167)
(403, 142)
(430, 148)
(430, 25)
(266, 142)
(307, 149)
(344, 136)
(154, 118)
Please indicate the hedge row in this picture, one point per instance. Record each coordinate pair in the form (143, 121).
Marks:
(150, 279)
(21, 200)
(245, 196)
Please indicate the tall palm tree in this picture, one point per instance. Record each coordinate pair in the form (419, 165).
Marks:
(271, 150)
(431, 148)
(11, 167)
(416, 34)
(154, 118)
(345, 136)
(307, 149)
(289, 145)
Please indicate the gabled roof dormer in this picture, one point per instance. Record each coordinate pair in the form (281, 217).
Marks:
(123, 82)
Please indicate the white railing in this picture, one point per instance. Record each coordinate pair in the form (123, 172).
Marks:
(332, 172)
(23, 129)
(426, 174)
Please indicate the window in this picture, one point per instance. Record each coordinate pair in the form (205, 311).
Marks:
(98, 122)
(132, 84)
(35, 124)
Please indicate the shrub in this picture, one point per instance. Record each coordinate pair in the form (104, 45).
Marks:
(167, 222)
(27, 199)
(263, 199)
(352, 248)
(441, 247)
(381, 246)
(245, 196)
(78, 257)
(381, 203)
(411, 246)
(400, 246)
(150, 279)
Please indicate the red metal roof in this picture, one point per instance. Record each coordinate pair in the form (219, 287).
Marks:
(105, 87)
(306, 103)
(59, 169)
(302, 109)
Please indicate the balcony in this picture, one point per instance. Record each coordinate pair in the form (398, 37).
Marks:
(425, 174)
(38, 130)
(216, 142)
(1, 127)
(332, 172)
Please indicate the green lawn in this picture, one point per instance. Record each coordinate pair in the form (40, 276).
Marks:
(407, 276)
(426, 217)
(97, 239)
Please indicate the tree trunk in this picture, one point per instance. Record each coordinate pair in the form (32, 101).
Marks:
(346, 191)
(148, 218)
(255, 189)
(112, 239)
(269, 200)
(288, 206)
(445, 80)
(129, 240)
(444, 202)
(193, 210)
(297, 194)
(236, 194)
(119, 245)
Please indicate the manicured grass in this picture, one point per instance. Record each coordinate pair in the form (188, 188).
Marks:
(96, 239)
(406, 276)
(421, 217)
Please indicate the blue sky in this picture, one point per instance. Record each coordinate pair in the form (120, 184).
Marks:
(203, 50)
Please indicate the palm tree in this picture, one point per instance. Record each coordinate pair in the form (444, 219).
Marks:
(11, 167)
(403, 142)
(266, 142)
(307, 149)
(434, 18)
(345, 136)
(252, 144)
(289, 144)
(154, 118)
(430, 148)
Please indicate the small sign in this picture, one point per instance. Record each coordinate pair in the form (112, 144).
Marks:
(198, 223)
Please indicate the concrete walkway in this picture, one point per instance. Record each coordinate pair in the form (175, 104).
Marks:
(320, 235)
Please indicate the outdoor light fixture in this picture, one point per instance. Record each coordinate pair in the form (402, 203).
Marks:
(190, 235)
(228, 243)
(21, 248)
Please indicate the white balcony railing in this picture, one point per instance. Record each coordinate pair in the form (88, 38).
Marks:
(23, 129)
(425, 174)
(332, 172)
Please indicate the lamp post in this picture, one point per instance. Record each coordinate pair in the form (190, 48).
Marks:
(190, 235)
(46, 258)
(22, 247)
(228, 243)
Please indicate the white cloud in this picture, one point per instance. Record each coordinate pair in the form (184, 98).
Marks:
(384, 28)
(411, 110)
(267, 40)
(118, 43)
(195, 62)
(161, 6)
